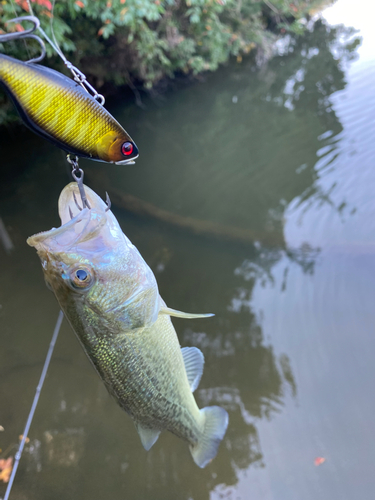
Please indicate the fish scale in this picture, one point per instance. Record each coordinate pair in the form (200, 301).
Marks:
(125, 383)
(59, 109)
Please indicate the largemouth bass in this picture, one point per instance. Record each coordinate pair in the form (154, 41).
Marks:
(111, 300)
(60, 110)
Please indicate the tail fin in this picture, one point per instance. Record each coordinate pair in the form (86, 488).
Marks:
(216, 423)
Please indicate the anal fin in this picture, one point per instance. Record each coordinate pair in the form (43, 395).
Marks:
(193, 361)
(148, 436)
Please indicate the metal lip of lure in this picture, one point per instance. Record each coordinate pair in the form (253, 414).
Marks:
(61, 110)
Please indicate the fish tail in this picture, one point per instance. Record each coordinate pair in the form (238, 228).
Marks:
(216, 423)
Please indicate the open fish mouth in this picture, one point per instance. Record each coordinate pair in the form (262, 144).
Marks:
(80, 229)
(78, 225)
(69, 203)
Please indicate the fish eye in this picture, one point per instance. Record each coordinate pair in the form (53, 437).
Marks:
(127, 148)
(81, 277)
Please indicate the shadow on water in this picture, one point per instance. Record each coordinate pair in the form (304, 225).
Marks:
(235, 150)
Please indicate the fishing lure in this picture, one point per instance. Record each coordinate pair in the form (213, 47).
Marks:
(61, 110)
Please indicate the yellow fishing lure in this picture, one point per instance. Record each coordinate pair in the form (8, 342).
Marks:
(59, 109)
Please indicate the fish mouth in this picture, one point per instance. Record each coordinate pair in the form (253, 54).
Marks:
(78, 225)
(63, 237)
(69, 202)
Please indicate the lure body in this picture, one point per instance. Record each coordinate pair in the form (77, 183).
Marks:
(59, 109)
(111, 299)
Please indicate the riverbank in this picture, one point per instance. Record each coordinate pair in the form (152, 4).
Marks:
(143, 44)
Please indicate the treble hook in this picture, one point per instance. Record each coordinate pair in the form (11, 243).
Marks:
(26, 34)
(79, 180)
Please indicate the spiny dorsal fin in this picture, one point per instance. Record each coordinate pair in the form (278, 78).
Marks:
(148, 436)
(180, 314)
(193, 361)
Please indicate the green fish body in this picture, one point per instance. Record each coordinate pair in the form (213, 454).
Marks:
(111, 300)
(60, 110)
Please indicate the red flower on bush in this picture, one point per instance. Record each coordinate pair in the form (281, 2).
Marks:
(44, 3)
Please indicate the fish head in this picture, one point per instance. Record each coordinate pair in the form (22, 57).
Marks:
(117, 147)
(90, 264)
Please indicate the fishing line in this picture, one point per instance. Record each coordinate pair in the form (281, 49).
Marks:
(55, 46)
(35, 402)
(78, 76)
(51, 25)
(24, 41)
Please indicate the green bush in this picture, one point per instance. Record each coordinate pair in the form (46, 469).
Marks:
(123, 41)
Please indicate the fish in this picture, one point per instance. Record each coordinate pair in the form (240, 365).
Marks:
(60, 110)
(111, 299)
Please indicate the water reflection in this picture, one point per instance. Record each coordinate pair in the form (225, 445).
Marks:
(318, 62)
(242, 372)
(250, 379)
(245, 161)
(238, 162)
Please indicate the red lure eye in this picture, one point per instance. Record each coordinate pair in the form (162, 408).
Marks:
(127, 148)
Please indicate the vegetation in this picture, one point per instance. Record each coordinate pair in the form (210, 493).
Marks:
(143, 41)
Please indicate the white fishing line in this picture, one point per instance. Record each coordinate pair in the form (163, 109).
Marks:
(35, 402)
(78, 76)
(24, 41)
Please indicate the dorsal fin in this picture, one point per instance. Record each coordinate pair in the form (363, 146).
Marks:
(180, 314)
(193, 361)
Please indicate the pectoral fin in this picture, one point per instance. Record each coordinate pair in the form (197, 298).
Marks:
(148, 436)
(180, 314)
(193, 361)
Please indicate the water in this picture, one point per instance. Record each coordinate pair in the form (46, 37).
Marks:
(286, 153)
